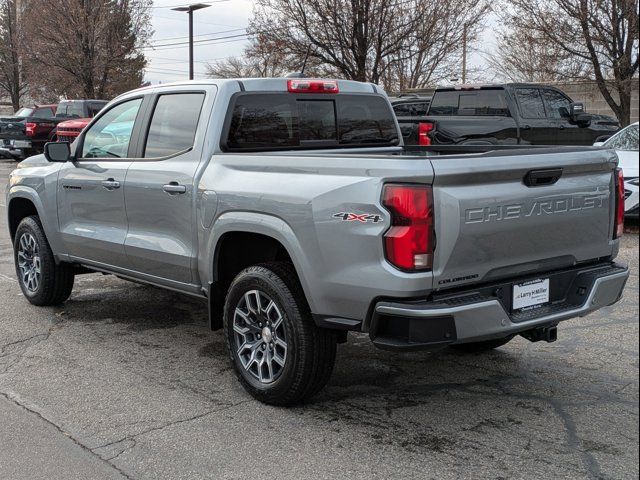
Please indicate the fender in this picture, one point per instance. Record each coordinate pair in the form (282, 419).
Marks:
(29, 193)
(252, 222)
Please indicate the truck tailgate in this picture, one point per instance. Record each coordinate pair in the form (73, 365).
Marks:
(504, 214)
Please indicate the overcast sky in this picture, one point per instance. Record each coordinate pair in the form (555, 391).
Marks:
(169, 57)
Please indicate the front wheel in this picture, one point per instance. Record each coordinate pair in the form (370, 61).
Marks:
(280, 356)
(42, 281)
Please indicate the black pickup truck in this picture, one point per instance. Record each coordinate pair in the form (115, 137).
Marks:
(25, 133)
(506, 114)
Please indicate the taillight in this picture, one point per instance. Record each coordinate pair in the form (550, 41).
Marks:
(618, 228)
(312, 86)
(409, 243)
(424, 128)
(30, 129)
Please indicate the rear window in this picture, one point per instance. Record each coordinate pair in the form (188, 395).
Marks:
(44, 112)
(70, 110)
(469, 103)
(414, 109)
(285, 121)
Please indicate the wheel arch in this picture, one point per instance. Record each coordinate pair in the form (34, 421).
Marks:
(241, 239)
(24, 201)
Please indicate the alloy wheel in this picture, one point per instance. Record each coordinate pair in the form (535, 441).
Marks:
(260, 337)
(29, 262)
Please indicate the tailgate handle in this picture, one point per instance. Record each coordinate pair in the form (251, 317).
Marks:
(540, 178)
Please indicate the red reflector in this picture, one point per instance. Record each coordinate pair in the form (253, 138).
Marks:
(410, 240)
(619, 225)
(312, 86)
(30, 129)
(424, 128)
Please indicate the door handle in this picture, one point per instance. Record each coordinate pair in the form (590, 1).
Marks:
(110, 184)
(540, 178)
(526, 127)
(561, 127)
(174, 188)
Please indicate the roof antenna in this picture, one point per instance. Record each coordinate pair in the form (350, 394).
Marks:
(301, 74)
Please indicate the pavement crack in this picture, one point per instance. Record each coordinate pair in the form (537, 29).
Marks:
(16, 401)
(132, 439)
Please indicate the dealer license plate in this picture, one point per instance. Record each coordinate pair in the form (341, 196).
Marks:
(20, 143)
(529, 294)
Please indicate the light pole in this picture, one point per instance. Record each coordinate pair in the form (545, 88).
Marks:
(190, 9)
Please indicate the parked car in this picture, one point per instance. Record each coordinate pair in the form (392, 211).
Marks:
(79, 113)
(27, 137)
(625, 143)
(26, 132)
(291, 208)
(506, 114)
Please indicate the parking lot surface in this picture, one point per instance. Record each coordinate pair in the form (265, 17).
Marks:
(125, 381)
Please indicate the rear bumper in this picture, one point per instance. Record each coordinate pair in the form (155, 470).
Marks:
(482, 314)
(12, 154)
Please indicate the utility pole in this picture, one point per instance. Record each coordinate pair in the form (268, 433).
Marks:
(190, 9)
(464, 54)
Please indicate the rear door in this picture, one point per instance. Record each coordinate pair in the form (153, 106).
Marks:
(535, 127)
(492, 222)
(160, 188)
(91, 213)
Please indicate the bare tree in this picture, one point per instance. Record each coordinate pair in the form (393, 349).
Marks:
(524, 55)
(259, 60)
(11, 78)
(402, 43)
(601, 35)
(433, 51)
(87, 48)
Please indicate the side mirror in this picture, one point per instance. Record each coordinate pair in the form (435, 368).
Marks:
(57, 151)
(598, 144)
(576, 108)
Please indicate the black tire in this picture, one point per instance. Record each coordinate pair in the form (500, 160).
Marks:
(55, 280)
(310, 350)
(477, 347)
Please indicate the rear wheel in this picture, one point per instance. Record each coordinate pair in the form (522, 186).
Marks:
(280, 356)
(477, 347)
(42, 281)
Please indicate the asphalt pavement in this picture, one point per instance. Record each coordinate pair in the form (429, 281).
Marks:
(125, 381)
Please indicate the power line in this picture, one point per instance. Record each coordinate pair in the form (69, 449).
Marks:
(207, 41)
(200, 35)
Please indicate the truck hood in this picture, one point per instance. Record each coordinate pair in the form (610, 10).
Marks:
(75, 123)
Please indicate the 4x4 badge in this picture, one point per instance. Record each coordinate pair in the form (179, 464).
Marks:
(358, 217)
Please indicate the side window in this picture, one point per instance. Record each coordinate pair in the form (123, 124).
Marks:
(46, 112)
(558, 105)
(530, 102)
(173, 125)
(109, 137)
(94, 108)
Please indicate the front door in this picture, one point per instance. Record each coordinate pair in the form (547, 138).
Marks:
(159, 190)
(559, 111)
(91, 208)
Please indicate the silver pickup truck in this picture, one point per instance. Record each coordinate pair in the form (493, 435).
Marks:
(291, 207)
